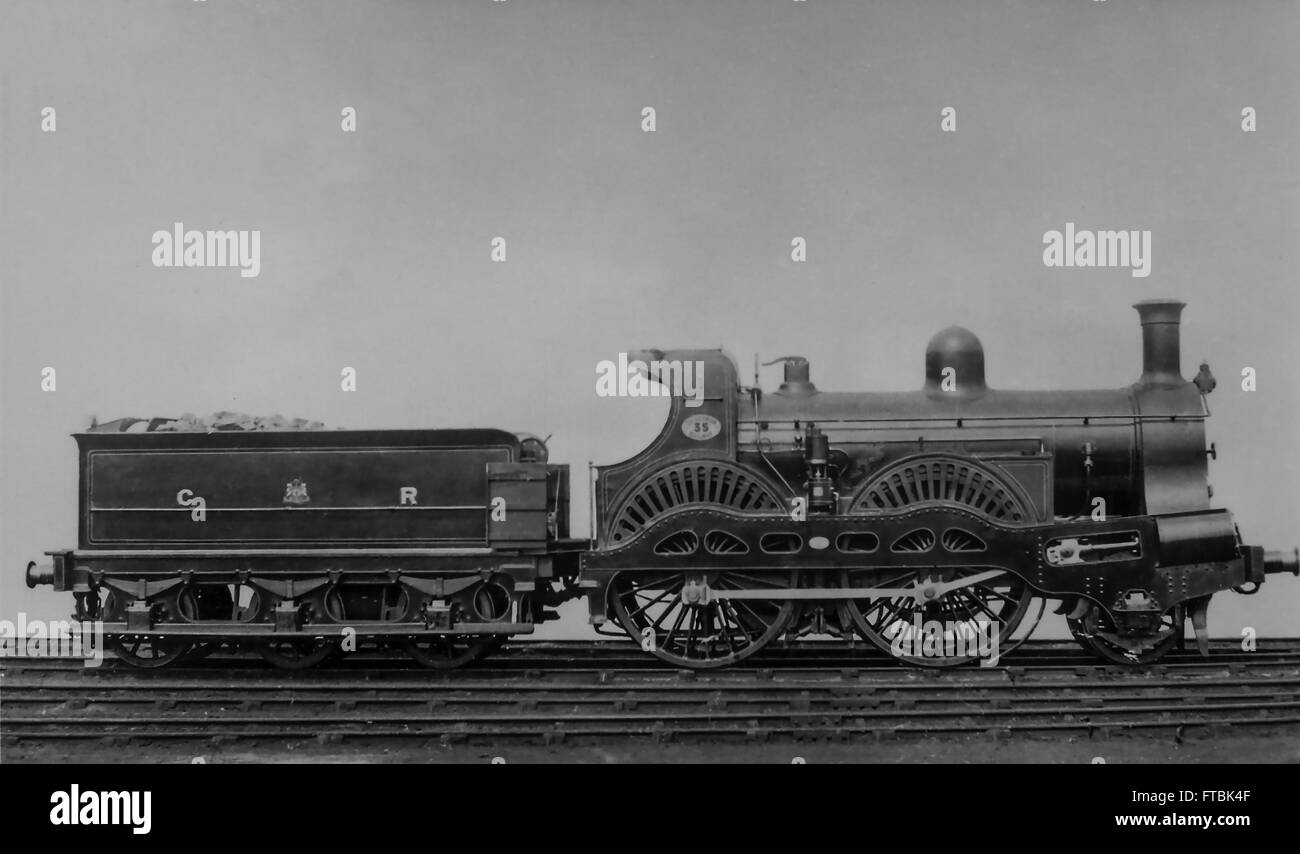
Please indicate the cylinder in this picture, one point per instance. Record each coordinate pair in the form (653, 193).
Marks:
(1161, 359)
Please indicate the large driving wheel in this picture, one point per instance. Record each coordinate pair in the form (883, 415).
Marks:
(961, 622)
(949, 615)
(670, 615)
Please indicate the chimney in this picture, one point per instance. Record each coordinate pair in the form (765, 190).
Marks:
(1160, 356)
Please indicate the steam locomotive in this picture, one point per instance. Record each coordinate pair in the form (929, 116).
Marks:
(752, 517)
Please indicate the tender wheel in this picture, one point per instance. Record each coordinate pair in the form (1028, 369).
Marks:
(201, 650)
(141, 650)
(297, 654)
(966, 617)
(304, 653)
(205, 602)
(149, 652)
(689, 632)
(1095, 632)
(448, 653)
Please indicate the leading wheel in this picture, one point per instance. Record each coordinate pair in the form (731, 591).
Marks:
(1095, 632)
(688, 629)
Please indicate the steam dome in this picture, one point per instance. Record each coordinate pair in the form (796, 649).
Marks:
(959, 349)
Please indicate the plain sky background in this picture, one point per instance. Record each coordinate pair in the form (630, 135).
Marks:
(523, 119)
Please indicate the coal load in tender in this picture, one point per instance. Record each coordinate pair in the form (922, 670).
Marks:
(219, 421)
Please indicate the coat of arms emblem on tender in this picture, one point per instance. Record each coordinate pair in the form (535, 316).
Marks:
(295, 492)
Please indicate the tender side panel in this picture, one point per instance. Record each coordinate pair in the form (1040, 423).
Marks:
(376, 495)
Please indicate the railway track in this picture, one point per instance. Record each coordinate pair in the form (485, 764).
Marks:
(552, 691)
(580, 656)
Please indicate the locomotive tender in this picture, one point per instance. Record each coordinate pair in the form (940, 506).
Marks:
(298, 542)
(751, 517)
